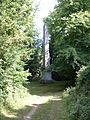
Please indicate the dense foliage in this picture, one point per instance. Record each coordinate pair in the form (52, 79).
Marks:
(78, 99)
(16, 33)
(69, 27)
(34, 64)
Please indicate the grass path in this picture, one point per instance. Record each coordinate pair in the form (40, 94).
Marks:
(45, 102)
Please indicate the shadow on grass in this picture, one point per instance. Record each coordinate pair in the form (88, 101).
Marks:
(35, 88)
(52, 110)
(13, 114)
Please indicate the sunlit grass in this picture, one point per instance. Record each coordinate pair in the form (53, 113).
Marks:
(48, 97)
(52, 110)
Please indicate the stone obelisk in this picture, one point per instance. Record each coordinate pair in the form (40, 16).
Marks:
(46, 78)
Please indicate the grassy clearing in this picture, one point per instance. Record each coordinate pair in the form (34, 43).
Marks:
(48, 97)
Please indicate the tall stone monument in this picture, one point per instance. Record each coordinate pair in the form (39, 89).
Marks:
(46, 77)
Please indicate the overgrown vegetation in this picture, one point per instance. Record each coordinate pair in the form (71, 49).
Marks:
(34, 64)
(48, 98)
(21, 55)
(17, 44)
(78, 99)
(69, 27)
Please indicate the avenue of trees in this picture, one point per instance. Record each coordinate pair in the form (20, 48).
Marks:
(69, 27)
(21, 54)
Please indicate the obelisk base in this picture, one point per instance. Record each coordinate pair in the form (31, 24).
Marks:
(46, 78)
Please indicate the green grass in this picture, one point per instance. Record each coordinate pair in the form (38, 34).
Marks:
(49, 98)
(51, 110)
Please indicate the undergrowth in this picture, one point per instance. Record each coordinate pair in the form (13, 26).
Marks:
(77, 98)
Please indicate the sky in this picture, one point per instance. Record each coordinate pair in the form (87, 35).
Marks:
(45, 6)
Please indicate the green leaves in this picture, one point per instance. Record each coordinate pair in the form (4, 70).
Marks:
(69, 27)
(16, 33)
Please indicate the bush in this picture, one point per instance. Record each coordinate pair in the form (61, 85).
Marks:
(78, 98)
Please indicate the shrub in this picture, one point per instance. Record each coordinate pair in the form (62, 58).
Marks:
(78, 99)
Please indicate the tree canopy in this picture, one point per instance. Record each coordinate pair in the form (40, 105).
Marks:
(16, 41)
(69, 27)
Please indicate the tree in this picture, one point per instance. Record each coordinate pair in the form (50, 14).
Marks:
(69, 27)
(16, 41)
(34, 63)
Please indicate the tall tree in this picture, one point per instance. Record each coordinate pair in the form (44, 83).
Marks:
(69, 27)
(16, 40)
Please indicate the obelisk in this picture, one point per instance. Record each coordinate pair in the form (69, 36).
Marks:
(46, 77)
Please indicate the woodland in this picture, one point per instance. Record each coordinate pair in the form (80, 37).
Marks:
(21, 54)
